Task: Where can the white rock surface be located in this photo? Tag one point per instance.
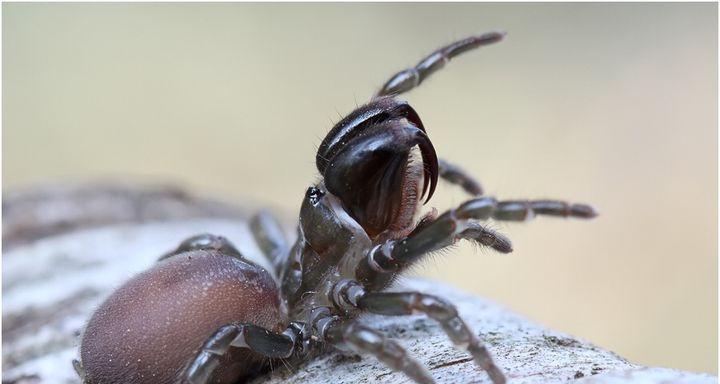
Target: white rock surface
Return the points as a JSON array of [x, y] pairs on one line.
[[51, 286]]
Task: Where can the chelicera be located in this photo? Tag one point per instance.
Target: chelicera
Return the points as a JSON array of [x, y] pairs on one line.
[[204, 314]]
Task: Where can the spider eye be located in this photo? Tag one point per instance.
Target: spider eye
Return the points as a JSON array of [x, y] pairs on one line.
[[314, 195]]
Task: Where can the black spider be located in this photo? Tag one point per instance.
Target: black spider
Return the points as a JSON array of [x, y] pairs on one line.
[[205, 314]]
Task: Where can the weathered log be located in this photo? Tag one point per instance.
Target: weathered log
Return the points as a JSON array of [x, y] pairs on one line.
[[53, 209], [53, 279]]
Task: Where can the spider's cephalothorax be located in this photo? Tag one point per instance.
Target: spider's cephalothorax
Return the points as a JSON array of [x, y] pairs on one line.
[[205, 314]]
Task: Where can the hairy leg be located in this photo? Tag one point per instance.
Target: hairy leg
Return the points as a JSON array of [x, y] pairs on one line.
[[365, 340], [410, 78], [252, 337], [440, 310], [384, 260], [484, 236]]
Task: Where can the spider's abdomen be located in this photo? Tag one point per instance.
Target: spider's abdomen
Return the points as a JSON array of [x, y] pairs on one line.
[[151, 327]]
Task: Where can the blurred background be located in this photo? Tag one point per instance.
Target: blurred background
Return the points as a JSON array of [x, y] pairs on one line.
[[611, 104]]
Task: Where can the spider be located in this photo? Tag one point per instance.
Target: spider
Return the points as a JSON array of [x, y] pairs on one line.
[[205, 314]]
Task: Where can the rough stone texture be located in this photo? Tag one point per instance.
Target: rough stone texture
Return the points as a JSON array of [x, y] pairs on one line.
[[53, 280]]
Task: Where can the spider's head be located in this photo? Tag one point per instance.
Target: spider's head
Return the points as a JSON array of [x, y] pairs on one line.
[[380, 163]]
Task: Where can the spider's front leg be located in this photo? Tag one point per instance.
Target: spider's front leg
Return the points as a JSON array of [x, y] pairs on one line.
[[410, 78]]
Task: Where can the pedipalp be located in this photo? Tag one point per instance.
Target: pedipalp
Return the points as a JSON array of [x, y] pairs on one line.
[[388, 258]]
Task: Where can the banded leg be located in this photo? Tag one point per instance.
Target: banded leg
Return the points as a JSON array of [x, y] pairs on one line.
[[386, 258], [270, 238], [440, 310], [456, 175], [365, 340], [410, 78], [522, 210], [204, 241], [252, 337]]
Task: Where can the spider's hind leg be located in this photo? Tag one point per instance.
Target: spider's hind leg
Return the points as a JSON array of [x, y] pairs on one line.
[[204, 241]]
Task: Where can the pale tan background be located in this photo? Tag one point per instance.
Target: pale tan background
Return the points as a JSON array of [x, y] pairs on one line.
[[610, 104]]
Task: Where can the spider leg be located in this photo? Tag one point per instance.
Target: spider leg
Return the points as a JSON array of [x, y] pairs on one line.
[[204, 241], [252, 337], [410, 78], [365, 340], [440, 310], [522, 210], [270, 238], [456, 175], [386, 258]]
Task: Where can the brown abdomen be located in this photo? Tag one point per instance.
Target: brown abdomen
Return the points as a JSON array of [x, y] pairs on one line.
[[151, 327]]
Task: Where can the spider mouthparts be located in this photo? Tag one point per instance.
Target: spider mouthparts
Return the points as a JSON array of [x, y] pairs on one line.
[[430, 165]]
